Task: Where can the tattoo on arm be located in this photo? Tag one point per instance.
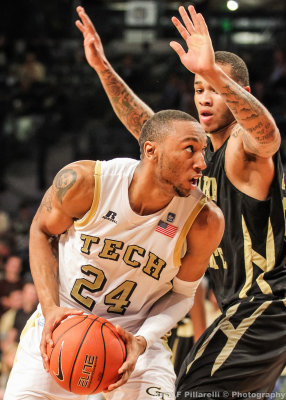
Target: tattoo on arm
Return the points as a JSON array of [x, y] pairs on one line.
[[47, 201], [240, 102], [253, 117], [64, 180], [129, 108], [236, 131]]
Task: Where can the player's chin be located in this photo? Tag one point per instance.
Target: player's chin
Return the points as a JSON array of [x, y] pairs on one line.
[[182, 192]]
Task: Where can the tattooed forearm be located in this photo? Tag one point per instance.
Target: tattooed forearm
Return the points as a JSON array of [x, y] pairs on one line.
[[63, 181], [242, 103], [261, 135], [253, 129], [131, 111]]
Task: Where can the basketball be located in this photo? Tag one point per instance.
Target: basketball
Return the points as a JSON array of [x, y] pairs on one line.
[[87, 354]]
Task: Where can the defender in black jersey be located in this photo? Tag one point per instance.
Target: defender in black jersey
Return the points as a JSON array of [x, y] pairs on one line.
[[244, 351]]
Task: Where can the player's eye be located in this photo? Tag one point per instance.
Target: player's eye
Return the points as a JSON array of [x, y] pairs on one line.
[[190, 149]]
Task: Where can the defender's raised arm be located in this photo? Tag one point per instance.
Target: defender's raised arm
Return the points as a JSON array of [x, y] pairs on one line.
[[259, 132], [131, 110]]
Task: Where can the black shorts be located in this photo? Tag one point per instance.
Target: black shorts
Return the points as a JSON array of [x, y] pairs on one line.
[[242, 352]]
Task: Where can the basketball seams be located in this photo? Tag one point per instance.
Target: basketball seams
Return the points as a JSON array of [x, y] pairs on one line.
[[116, 336], [103, 341], [106, 325], [82, 340], [72, 326]]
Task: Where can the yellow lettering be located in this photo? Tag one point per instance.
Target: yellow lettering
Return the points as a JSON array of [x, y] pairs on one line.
[[154, 266], [209, 187], [87, 242], [93, 286], [129, 255], [109, 249], [251, 256], [217, 253]]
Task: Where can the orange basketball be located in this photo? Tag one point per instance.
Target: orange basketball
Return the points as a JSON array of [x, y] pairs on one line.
[[87, 354]]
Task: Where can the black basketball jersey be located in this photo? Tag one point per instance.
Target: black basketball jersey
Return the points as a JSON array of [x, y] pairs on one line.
[[251, 258]]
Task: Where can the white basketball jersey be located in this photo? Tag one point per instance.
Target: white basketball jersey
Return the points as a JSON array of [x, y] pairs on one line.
[[115, 263]]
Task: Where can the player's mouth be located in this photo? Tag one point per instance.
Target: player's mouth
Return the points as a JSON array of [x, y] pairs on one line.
[[194, 182], [205, 116]]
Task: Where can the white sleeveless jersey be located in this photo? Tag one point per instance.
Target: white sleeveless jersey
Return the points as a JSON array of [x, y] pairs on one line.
[[115, 263]]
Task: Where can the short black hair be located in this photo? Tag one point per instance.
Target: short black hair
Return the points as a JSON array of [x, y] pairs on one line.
[[160, 125], [239, 70]]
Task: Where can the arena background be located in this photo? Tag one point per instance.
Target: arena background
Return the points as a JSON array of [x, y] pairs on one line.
[[63, 114], [53, 109]]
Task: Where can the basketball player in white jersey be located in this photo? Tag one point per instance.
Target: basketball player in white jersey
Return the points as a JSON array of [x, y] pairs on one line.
[[135, 240]]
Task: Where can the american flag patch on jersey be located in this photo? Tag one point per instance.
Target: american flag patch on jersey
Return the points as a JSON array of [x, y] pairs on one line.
[[166, 229]]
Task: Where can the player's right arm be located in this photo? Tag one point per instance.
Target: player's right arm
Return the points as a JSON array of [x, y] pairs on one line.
[[129, 108], [69, 197]]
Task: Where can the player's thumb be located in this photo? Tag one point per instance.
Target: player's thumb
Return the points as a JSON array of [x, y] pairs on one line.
[[177, 48]]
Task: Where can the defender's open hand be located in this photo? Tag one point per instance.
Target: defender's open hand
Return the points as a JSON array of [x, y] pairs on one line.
[[92, 44], [199, 57]]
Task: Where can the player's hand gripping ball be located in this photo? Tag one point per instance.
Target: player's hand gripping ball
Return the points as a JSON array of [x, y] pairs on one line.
[[87, 354]]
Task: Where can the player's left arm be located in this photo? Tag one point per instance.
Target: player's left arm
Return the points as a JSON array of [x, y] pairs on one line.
[[257, 128]]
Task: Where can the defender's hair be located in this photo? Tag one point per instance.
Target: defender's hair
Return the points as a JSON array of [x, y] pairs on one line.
[[160, 125], [239, 70]]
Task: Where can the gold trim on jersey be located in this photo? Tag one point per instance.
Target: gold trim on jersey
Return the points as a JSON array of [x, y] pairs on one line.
[[232, 333], [179, 245], [252, 257], [31, 323], [96, 196]]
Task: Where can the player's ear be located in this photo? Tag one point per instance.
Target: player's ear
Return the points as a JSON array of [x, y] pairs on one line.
[[247, 88], [150, 150]]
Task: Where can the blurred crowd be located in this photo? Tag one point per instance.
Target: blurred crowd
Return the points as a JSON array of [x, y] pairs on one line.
[[48, 92]]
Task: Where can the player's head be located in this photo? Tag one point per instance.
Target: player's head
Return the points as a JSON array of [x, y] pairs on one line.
[[213, 112], [172, 143], [238, 69]]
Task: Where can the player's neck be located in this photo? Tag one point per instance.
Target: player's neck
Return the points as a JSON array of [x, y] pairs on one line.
[[145, 195], [220, 136]]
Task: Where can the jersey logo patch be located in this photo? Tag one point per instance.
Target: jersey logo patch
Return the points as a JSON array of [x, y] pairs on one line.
[[110, 216], [171, 217], [166, 229]]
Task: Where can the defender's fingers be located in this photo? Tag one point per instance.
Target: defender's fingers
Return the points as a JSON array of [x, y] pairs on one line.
[[187, 21], [194, 16], [178, 48], [80, 26], [181, 29], [86, 20], [203, 25]]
